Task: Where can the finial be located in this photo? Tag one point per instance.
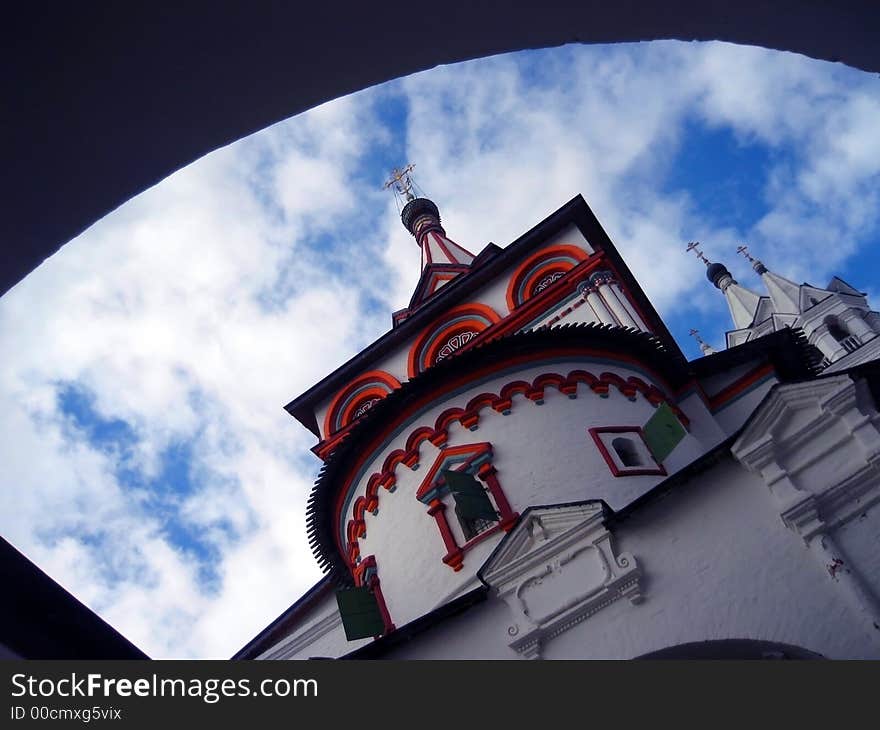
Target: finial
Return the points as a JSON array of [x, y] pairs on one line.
[[743, 250], [706, 348], [401, 181], [693, 246]]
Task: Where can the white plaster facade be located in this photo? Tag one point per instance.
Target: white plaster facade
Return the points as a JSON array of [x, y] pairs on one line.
[[761, 524]]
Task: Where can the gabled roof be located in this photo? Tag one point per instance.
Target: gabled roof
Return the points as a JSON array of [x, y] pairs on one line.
[[485, 267]]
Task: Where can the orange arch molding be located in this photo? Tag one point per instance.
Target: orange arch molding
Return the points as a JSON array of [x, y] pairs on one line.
[[372, 384], [473, 316], [555, 258]]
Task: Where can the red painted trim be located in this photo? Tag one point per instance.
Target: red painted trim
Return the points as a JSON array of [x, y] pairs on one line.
[[533, 268], [472, 450], [609, 459], [739, 386], [477, 539], [379, 377], [653, 394], [454, 557], [506, 516], [376, 587], [444, 326]]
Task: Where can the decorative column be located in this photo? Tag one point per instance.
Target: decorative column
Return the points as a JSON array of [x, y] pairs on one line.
[[603, 280], [454, 557], [591, 294], [507, 517]]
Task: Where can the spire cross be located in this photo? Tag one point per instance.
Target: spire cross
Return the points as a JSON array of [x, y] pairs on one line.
[[693, 246], [744, 251], [401, 181], [696, 335]]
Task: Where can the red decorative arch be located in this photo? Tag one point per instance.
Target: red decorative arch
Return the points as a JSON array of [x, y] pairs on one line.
[[538, 272], [454, 330], [469, 418], [345, 406]]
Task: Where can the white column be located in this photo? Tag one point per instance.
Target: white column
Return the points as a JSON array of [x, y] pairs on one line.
[[640, 324], [604, 280], [601, 311]]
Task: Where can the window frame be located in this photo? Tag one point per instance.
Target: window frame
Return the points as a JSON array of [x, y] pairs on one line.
[[603, 436]]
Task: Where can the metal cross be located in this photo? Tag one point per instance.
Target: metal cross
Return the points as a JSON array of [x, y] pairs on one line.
[[692, 246], [744, 251], [401, 181]]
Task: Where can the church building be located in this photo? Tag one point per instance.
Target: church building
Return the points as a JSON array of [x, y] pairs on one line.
[[527, 466]]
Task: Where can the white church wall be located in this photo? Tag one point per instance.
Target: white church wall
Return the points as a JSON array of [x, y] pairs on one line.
[[716, 563], [733, 414], [532, 469], [859, 541], [319, 633]]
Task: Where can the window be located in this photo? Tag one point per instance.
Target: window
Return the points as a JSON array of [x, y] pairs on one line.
[[462, 493], [838, 331], [625, 450], [473, 508]]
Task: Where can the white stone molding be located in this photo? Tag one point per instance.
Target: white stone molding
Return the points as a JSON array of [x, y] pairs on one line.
[[556, 568], [816, 445], [292, 645]]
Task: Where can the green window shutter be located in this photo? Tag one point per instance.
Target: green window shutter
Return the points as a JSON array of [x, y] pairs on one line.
[[663, 432], [470, 497], [360, 613]]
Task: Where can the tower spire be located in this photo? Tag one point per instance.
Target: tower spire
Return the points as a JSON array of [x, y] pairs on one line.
[[706, 348], [784, 293], [421, 217], [742, 302]]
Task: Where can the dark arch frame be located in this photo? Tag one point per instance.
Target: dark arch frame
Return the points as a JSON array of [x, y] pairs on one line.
[[732, 649], [105, 99]]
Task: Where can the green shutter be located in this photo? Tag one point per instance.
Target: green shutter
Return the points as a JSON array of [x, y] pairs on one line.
[[360, 613], [470, 496], [663, 432]]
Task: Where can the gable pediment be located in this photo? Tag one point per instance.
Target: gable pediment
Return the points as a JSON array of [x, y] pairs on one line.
[[541, 531], [556, 568], [791, 412], [810, 296]]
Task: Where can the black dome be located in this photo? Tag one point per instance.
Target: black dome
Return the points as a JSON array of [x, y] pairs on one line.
[[416, 207], [715, 271]]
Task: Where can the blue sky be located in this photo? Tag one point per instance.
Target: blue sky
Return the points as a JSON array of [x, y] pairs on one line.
[[148, 464]]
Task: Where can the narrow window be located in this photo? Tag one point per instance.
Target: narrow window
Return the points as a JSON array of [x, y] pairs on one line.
[[473, 508], [626, 451], [838, 331]]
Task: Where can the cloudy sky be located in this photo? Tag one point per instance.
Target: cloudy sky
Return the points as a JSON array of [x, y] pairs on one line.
[[147, 464]]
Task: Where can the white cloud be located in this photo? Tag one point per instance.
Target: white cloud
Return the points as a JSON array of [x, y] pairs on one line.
[[197, 309]]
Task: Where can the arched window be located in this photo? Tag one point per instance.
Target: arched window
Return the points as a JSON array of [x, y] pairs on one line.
[[626, 451], [838, 331], [835, 329]]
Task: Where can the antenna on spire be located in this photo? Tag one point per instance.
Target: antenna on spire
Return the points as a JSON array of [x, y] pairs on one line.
[[706, 348], [402, 183], [694, 246]]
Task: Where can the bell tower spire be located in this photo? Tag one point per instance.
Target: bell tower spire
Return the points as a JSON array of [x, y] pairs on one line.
[[421, 217], [784, 293], [442, 259], [743, 303]]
